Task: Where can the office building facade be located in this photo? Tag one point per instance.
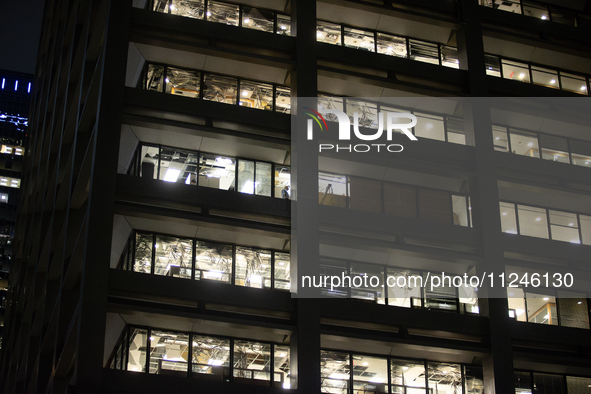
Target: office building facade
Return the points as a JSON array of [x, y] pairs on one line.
[[153, 247], [15, 96]]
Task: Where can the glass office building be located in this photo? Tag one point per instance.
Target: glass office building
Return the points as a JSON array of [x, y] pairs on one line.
[[154, 250]]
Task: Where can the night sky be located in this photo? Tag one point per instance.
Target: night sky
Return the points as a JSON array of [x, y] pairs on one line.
[[20, 25]]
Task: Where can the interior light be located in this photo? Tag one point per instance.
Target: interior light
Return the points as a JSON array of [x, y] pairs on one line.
[[546, 316], [365, 363], [223, 160], [246, 20], [521, 75], [490, 68], [282, 354], [152, 338], [404, 368], [337, 375], [587, 162], [504, 213], [283, 27], [579, 303], [256, 279], [457, 62], [546, 298], [213, 274], [156, 246], [444, 372], [571, 224], [538, 219], [286, 385], [247, 188], [544, 17], [553, 81], [319, 34], [377, 380], [519, 312], [215, 362], [282, 263], [244, 93], [389, 48], [167, 80], [530, 144], [15, 86], [29, 88], [172, 7], [171, 175], [497, 138], [3, 82], [583, 87], [208, 13]]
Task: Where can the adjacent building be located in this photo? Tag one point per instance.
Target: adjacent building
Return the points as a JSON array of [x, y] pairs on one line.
[[15, 97]]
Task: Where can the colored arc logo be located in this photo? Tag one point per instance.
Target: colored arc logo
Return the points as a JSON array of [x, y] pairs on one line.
[[317, 117]]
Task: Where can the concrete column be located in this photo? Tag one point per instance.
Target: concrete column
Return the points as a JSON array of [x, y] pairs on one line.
[[305, 342]]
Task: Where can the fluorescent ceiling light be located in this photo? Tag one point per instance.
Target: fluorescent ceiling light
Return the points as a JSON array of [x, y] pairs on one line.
[[223, 160], [337, 375], [171, 175]]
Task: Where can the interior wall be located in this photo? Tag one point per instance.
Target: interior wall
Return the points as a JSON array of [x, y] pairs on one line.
[[121, 232]]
